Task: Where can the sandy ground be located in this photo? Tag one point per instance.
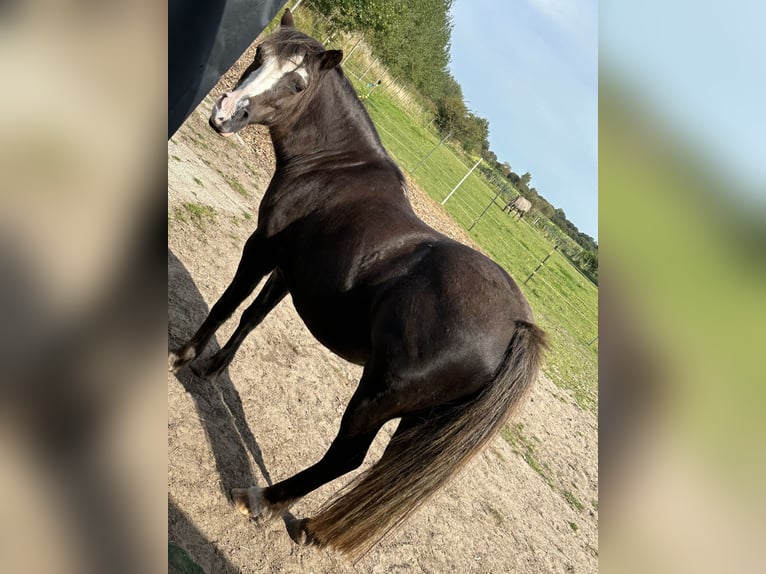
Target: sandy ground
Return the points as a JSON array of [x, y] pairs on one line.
[[527, 507]]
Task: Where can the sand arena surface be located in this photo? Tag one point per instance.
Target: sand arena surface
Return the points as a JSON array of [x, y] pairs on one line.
[[527, 507]]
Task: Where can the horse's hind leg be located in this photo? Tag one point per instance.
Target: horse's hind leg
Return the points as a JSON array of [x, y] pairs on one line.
[[367, 412], [300, 529], [271, 294], [252, 267], [345, 454]]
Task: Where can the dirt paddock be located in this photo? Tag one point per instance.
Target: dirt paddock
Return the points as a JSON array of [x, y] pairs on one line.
[[528, 504]]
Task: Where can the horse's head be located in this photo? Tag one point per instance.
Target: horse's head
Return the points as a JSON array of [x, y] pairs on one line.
[[287, 68]]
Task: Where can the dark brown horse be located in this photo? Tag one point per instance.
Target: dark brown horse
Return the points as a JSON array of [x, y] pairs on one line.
[[444, 334]]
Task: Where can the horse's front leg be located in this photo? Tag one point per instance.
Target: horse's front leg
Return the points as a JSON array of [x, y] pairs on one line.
[[253, 266], [271, 294]]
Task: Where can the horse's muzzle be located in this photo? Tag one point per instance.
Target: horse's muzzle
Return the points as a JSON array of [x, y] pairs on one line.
[[229, 114], [218, 129]]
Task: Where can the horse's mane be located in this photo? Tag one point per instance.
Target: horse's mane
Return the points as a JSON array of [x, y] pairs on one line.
[[293, 42]]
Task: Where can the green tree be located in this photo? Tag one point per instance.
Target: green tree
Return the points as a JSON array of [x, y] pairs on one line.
[[411, 38], [490, 157], [525, 179]]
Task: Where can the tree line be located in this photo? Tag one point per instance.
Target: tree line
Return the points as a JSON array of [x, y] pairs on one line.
[[413, 40]]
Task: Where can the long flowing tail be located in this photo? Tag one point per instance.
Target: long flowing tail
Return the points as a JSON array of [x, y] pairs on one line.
[[421, 459]]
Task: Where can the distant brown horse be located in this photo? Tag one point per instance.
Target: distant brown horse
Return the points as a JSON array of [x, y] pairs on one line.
[[521, 205], [444, 334]]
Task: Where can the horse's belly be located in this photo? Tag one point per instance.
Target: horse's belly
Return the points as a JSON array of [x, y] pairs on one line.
[[339, 323]]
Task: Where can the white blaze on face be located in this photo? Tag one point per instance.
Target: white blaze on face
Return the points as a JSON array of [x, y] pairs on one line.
[[258, 82]]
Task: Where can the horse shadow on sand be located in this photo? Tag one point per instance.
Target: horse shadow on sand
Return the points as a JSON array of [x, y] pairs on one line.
[[184, 538], [217, 402]]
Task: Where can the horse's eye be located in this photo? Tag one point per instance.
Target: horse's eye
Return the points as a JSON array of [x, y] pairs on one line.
[[297, 88]]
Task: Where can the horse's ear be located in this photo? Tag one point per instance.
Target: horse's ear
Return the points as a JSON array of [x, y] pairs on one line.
[[287, 19], [329, 59]]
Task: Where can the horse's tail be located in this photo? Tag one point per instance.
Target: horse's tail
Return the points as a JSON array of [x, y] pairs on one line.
[[423, 456]]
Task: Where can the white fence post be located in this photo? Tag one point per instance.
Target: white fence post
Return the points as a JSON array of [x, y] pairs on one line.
[[352, 49], [461, 181], [430, 152]]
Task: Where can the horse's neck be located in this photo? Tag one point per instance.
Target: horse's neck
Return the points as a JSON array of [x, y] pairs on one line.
[[334, 122]]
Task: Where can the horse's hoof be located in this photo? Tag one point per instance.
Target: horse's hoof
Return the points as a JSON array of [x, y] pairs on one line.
[[207, 368], [299, 532], [177, 359], [251, 503], [173, 360], [241, 500]]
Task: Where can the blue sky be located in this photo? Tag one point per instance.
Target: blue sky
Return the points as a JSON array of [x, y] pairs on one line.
[[700, 67], [531, 68]]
